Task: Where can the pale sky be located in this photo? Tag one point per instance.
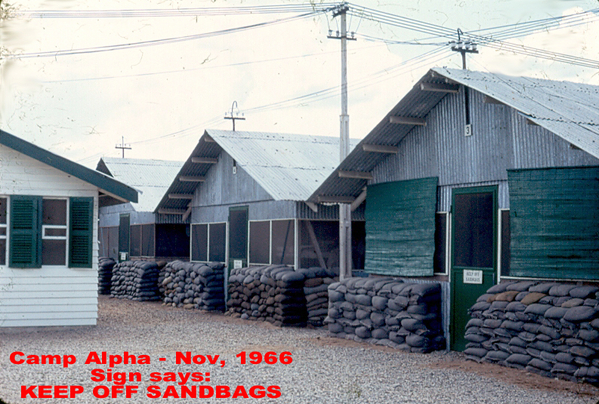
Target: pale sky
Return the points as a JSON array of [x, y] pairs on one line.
[[161, 98]]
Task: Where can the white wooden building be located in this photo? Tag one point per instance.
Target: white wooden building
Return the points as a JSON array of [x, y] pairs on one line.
[[48, 232]]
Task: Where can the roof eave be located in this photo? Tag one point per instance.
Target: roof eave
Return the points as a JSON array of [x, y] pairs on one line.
[[67, 166]]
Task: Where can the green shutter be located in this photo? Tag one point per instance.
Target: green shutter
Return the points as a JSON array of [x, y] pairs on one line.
[[81, 227], [400, 227], [25, 231], [554, 222]]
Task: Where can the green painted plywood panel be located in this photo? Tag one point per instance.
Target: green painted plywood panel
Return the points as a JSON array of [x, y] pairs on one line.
[[554, 220], [400, 227]]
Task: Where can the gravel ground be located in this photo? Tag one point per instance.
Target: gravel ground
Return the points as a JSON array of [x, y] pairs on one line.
[[324, 370]]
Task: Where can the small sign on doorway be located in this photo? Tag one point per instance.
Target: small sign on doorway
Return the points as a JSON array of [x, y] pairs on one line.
[[237, 264], [473, 276]]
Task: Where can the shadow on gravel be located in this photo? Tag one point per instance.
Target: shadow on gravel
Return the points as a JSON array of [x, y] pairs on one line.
[[457, 361], [521, 378]]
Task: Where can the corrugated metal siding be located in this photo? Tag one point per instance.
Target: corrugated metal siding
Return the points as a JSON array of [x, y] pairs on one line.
[[222, 187], [109, 215], [502, 140], [327, 212], [536, 147], [288, 167], [261, 210], [555, 223], [441, 149], [170, 219], [444, 194], [203, 149], [570, 110], [415, 104]]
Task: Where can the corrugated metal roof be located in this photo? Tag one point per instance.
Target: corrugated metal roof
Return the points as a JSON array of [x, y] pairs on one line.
[[570, 110], [287, 166], [151, 177]]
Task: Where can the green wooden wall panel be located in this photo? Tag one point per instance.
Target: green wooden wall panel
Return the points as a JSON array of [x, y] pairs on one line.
[[400, 227], [554, 219]]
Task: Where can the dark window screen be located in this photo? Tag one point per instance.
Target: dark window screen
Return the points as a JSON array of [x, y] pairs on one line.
[[124, 233], [199, 242], [3, 210], [440, 242], [238, 219], [505, 242], [54, 212], [135, 237], [259, 242], [473, 237], [54, 252], [147, 240], [218, 233], [3, 251], [283, 242]]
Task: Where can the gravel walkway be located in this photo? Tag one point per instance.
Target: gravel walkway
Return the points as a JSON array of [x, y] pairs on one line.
[[324, 370]]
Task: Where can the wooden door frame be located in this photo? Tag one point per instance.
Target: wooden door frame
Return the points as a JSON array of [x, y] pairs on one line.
[[493, 189]]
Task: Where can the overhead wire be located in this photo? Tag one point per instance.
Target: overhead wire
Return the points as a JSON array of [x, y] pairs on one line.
[[530, 27], [178, 12], [491, 38], [439, 31], [154, 42], [317, 96], [203, 67]]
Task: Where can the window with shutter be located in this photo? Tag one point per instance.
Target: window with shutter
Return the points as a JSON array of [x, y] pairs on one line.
[[400, 228], [25, 231], [81, 232], [554, 217]]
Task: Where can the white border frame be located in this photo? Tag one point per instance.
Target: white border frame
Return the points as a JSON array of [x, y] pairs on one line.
[[66, 238]]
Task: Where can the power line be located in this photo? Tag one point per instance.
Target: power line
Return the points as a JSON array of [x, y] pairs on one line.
[[553, 23], [489, 41], [204, 67], [407, 66], [179, 12], [154, 42]]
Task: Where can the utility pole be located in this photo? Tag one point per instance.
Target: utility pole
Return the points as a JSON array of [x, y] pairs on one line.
[[123, 146], [345, 238], [234, 115], [465, 47]]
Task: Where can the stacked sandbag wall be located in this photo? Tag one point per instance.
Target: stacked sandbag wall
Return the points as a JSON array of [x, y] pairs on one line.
[[316, 283], [277, 294], [193, 285], [135, 280], [388, 312], [105, 266], [548, 328]]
